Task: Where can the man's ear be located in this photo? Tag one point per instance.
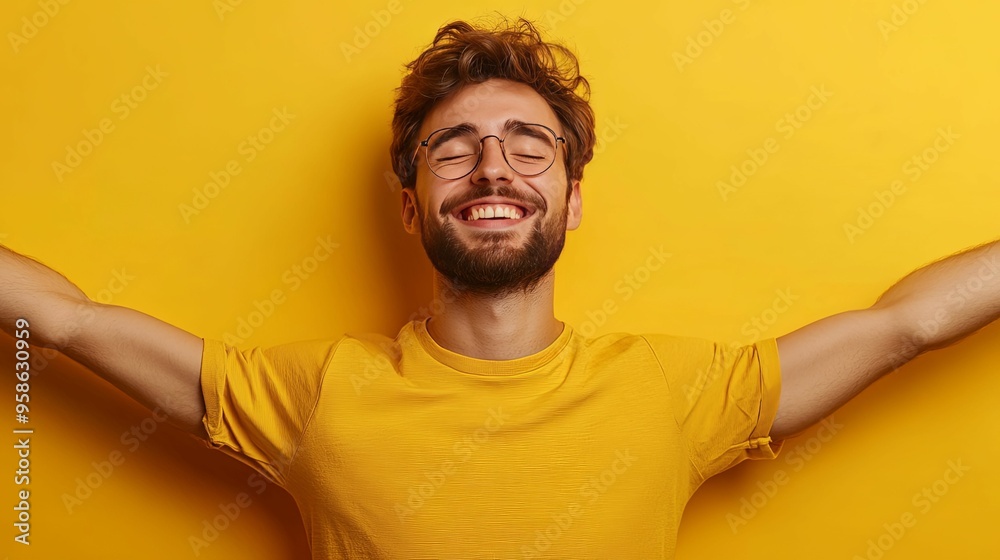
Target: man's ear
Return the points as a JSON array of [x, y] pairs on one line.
[[574, 207], [410, 212]]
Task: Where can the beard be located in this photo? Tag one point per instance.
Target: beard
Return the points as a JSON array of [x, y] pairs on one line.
[[494, 266]]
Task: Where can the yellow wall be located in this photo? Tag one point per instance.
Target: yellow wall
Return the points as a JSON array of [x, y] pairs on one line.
[[682, 91]]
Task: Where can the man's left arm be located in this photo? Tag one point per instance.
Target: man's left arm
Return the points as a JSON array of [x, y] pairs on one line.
[[828, 362]]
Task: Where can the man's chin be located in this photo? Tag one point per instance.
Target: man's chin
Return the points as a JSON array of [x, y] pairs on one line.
[[489, 270], [492, 288], [486, 261]]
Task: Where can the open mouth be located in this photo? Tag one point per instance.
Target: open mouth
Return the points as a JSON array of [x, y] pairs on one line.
[[493, 212]]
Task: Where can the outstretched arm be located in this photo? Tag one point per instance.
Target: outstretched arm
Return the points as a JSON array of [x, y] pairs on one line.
[[828, 362], [153, 362]]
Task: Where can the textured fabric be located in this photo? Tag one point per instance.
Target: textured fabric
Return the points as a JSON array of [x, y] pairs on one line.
[[401, 449]]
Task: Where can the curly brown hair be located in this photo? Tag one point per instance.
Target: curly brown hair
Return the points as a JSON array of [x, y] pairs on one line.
[[462, 54]]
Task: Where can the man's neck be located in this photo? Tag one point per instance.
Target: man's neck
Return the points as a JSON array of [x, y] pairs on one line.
[[495, 328]]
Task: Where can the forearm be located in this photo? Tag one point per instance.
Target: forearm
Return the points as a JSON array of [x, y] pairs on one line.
[[949, 299], [31, 290], [156, 363]]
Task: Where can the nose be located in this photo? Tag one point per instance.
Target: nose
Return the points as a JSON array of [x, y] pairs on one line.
[[493, 168]]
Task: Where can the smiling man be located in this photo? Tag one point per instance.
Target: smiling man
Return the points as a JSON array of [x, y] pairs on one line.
[[492, 214], [492, 429]]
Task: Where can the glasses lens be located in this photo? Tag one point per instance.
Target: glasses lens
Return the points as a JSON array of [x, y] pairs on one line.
[[530, 149], [452, 153]]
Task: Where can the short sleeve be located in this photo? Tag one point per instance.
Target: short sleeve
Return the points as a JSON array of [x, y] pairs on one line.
[[258, 401], [724, 398]]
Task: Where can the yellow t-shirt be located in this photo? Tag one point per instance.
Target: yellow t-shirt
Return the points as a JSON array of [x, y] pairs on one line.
[[402, 449]]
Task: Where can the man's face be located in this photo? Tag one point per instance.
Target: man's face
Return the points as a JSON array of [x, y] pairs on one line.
[[485, 256]]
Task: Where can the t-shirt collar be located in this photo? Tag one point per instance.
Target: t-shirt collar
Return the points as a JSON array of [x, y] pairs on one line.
[[477, 366]]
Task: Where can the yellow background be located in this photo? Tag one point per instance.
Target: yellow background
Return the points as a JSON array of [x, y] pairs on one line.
[[672, 131]]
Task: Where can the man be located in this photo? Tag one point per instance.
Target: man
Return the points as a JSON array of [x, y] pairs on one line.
[[492, 429]]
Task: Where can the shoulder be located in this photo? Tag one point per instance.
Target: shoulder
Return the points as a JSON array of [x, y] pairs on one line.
[[623, 340], [657, 344]]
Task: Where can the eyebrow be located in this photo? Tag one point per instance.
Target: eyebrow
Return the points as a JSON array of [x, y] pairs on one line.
[[509, 124]]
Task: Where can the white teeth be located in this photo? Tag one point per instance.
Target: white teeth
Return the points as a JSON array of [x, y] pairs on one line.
[[491, 212]]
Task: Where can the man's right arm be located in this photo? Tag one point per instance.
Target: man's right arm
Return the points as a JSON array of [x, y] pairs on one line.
[[155, 363]]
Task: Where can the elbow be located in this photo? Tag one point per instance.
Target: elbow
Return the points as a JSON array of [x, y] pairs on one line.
[[911, 333], [59, 322], [71, 322]]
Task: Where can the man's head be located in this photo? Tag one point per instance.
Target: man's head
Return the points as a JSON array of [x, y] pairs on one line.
[[487, 81]]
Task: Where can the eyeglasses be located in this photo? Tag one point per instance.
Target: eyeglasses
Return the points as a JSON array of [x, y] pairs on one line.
[[454, 152]]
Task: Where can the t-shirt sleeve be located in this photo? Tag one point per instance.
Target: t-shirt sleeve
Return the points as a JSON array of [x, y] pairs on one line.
[[258, 401], [724, 398]]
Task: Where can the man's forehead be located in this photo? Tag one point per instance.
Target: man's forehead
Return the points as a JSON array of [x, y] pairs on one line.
[[491, 106]]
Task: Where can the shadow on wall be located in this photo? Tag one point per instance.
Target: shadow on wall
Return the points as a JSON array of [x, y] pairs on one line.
[[98, 450], [409, 279], [759, 497]]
